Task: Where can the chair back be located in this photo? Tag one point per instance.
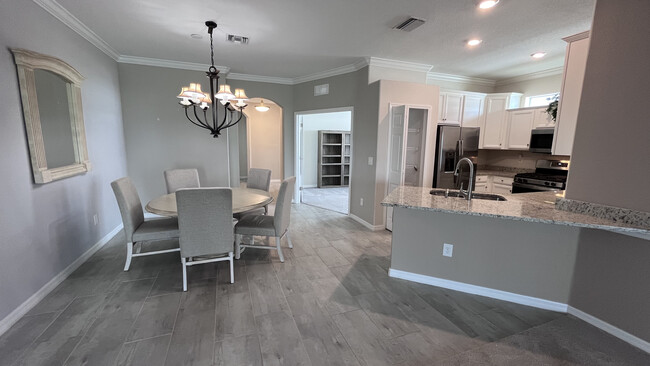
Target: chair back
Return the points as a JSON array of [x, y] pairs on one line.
[[259, 179], [130, 205], [181, 178], [205, 221], [282, 214]]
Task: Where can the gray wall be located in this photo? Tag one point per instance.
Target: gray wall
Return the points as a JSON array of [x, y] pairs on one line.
[[611, 280], [612, 133], [526, 258], [157, 134], [44, 228]]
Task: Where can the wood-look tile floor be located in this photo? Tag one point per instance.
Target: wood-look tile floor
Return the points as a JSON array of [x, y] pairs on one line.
[[330, 303], [331, 198]]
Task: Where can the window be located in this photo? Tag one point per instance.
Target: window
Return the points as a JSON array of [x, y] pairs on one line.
[[540, 100]]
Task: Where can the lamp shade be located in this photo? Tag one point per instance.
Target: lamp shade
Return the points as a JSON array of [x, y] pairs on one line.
[[224, 93], [240, 94]]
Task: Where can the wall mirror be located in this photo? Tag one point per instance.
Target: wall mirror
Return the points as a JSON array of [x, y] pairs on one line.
[[50, 91]]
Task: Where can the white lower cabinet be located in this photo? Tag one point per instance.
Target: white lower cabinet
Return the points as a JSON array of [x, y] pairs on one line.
[[493, 184], [501, 188]]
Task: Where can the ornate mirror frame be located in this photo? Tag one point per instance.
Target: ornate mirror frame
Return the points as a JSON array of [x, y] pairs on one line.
[[27, 62]]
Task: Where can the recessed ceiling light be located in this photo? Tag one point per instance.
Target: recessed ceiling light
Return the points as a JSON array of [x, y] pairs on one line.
[[196, 36], [486, 4], [474, 42], [538, 54]]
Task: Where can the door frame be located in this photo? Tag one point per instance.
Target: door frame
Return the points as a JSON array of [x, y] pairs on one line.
[[297, 147], [428, 147]]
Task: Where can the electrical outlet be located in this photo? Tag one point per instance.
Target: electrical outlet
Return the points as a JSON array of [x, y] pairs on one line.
[[95, 219], [371, 160], [361, 202], [448, 250]]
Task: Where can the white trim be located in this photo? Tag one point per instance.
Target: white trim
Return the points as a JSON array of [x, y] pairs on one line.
[[531, 76], [480, 290], [432, 77], [332, 72], [260, 78], [39, 295], [399, 65], [158, 62], [310, 186], [616, 332], [60, 13], [365, 223], [276, 180], [577, 37]]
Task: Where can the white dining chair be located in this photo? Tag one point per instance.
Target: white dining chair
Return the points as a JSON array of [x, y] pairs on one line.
[[176, 179], [206, 227], [276, 226], [136, 228]]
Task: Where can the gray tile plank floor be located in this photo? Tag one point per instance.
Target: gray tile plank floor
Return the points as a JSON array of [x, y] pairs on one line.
[[330, 303]]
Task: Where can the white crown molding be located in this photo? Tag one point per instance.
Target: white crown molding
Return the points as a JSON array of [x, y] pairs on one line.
[[577, 37], [531, 76], [260, 78], [136, 60], [432, 77], [400, 65], [332, 72], [60, 13]]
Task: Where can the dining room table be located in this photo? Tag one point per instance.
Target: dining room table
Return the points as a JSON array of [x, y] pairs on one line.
[[243, 199]]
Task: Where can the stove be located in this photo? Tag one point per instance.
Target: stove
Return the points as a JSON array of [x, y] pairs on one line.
[[549, 175]]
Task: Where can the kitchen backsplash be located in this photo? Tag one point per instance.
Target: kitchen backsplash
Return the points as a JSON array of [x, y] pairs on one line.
[[513, 159]]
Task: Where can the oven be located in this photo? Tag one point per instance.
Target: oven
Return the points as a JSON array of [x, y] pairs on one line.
[[549, 175], [525, 188]]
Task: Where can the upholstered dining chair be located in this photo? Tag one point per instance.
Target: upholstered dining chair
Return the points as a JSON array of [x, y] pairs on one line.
[[276, 226], [259, 179], [136, 228], [205, 223], [176, 179]]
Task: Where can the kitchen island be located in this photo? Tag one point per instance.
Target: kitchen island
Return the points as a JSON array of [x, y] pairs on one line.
[[522, 250]]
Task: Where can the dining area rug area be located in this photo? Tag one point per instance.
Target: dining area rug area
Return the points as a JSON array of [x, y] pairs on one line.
[[330, 303]]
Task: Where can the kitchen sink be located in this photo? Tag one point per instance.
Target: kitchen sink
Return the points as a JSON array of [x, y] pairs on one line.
[[478, 196]]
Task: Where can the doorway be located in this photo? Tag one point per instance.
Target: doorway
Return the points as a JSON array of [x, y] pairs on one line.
[[410, 150], [324, 158]]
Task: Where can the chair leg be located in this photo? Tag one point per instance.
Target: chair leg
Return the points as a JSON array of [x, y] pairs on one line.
[[266, 209], [237, 246], [289, 240], [277, 242], [129, 255], [232, 268], [184, 274]]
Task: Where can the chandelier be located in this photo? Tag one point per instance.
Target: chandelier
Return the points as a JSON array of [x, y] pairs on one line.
[[192, 97]]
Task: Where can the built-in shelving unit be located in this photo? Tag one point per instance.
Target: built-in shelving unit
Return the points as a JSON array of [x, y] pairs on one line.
[[334, 148]]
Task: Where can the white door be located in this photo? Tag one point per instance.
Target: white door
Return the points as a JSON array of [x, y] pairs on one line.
[[395, 155], [520, 124], [415, 141]]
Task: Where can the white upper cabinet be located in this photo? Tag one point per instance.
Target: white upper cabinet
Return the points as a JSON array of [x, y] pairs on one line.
[[473, 110], [572, 78], [493, 127], [520, 124], [450, 108], [542, 118]]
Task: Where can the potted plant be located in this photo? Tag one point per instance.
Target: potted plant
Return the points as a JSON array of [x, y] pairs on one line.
[[552, 107]]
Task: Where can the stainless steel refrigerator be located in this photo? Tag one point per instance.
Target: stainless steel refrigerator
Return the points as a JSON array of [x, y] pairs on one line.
[[452, 144]]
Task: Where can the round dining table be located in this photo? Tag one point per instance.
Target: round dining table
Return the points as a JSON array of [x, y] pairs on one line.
[[243, 199]]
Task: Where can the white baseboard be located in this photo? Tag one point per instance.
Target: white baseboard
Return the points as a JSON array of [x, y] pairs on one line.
[[479, 290], [366, 223], [26, 306], [616, 332], [310, 186]]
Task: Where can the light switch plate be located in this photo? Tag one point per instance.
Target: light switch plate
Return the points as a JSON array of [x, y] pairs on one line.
[[371, 160], [448, 250]]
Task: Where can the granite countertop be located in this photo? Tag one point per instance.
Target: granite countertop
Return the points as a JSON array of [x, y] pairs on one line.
[[532, 207]]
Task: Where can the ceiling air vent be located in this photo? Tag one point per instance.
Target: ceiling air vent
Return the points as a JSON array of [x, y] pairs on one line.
[[237, 39], [409, 24]]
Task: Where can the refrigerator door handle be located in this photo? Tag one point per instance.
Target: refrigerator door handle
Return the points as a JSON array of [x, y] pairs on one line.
[[460, 148]]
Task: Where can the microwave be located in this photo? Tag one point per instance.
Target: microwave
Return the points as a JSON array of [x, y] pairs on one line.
[[541, 140]]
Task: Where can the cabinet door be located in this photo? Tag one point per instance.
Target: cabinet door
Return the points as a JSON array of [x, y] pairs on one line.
[[498, 188], [567, 114], [542, 119], [472, 110], [453, 108], [520, 123], [482, 188], [495, 113]]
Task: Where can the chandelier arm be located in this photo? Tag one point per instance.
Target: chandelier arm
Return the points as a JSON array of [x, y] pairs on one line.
[[190, 119], [241, 114], [205, 125], [225, 117]]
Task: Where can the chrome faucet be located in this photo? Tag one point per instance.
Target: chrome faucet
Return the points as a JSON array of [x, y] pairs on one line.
[[468, 192]]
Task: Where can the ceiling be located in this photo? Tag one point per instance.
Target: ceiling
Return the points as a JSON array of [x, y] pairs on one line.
[[296, 38]]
